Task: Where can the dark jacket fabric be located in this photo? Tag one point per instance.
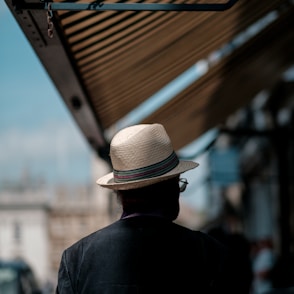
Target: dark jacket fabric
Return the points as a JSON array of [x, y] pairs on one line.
[[143, 255]]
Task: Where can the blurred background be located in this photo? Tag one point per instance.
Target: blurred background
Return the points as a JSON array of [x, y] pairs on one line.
[[242, 192]]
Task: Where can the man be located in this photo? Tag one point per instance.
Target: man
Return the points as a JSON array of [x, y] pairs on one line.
[[144, 251]]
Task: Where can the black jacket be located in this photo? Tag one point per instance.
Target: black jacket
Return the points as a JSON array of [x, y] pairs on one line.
[[143, 255]]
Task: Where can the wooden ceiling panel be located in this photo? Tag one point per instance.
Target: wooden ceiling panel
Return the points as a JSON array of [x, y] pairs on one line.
[[230, 85], [144, 69], [217, 22]]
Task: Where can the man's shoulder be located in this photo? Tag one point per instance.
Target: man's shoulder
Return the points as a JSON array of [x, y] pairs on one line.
[[195, 234], [83, 243]]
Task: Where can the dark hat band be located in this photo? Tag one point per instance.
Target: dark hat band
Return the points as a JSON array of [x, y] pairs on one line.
[[154, 170]]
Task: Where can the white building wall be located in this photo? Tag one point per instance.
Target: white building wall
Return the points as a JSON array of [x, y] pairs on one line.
[[31, 242]]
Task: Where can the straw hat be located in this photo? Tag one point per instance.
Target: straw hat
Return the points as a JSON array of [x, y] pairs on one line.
[[142, 155]]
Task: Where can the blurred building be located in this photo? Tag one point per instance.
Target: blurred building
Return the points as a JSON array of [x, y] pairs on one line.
[[248, 179], [252, 168], [23, 229], [37, 224]]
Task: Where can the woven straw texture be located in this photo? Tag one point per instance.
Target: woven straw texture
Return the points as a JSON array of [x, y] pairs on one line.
[[136, 148]]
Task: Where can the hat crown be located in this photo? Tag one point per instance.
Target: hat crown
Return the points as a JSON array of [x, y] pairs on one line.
[[139, 146], [142, 155]]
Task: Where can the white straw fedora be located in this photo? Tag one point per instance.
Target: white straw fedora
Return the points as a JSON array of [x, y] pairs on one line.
[[142, 155]]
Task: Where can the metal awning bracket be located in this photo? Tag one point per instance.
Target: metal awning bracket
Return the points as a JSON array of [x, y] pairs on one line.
[[102, 6]]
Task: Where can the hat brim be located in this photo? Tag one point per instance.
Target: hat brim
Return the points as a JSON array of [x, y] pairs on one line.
[[107, 181]]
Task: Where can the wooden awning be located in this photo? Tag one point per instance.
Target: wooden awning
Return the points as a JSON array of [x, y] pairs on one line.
[[107, 63]]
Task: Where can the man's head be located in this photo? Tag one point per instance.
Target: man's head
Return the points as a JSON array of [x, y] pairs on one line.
[[161, 199], [142, 155]]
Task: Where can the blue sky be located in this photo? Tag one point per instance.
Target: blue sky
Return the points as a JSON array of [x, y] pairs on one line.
[[37, 134]]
